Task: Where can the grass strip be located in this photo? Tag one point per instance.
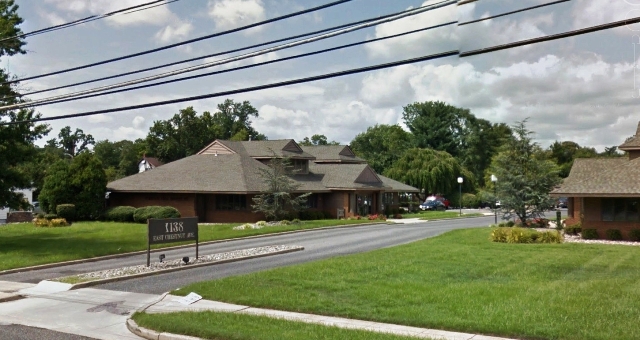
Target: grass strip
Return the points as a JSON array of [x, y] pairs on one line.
[[460, 281], [235, 326], [24, 245]]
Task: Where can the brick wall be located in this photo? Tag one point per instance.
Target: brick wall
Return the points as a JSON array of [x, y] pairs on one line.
[[593, 220], [19, 217]]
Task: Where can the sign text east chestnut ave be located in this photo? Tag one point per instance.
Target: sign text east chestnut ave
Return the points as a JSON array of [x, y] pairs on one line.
[[173, 230], [169, 230]]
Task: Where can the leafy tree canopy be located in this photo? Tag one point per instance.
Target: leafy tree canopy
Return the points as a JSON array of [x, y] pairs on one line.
[[564, 153], [72, 143], [382, 145], [317, 140], [432, 171], [81, 182], [525, 176], [186, 133], [16, 141]]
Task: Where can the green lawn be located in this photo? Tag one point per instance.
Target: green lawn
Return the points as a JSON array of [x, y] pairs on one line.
[[219, 326], [461, 281], [23, 245], [436, 215]]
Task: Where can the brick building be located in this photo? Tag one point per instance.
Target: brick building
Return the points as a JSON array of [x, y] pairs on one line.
[[218, 183]]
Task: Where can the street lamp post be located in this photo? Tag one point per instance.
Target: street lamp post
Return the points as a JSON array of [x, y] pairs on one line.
[[494, 179], [460, 180]]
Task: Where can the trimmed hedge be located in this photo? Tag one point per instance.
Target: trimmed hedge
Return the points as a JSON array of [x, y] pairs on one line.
[[120, 214], [634, 235], [524, 235], [590, 234], [141, 215], [614, 235], [573, 229], [66, 211]]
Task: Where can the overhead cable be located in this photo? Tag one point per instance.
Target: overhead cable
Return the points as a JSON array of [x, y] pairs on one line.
[[137, 54], [237, 58], [243, 90], [512, 12], [127, 10], [245, 66], [551, 37], [209, 55]]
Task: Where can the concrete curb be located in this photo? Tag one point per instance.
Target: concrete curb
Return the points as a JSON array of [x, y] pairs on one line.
[[170, 270], [153, 335], [115, 256], [11, 298]]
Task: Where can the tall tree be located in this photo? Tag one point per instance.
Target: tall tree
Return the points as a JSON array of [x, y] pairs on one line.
[[317, 140], [120, 159], [72, 143], [16, 141], [525, 177], [382, 145], [564, 153], [432, 171], [81, 182], [278, 198], [187, 133]]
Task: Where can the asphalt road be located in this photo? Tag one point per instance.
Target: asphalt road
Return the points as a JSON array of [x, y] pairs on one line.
[[319, 244], [18, 332]]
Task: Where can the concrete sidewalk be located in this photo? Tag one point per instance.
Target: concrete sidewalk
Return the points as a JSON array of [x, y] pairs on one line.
[[170, 304]]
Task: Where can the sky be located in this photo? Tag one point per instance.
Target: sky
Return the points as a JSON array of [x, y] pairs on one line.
[[584, 88]]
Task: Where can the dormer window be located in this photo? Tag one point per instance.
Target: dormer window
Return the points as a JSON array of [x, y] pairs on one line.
[[300, 166]]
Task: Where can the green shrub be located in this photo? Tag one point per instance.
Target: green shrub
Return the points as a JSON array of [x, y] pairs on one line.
[[550, 237], [614, 235], [520, 235], [296, 221], [634, 235], [590, 234], [50, 216], [261, 223], [573, 229], [141, 215], [120, 214], [470, 201], [285, 222], [510, 224], [52, 223], [499, 234], [326, 215], [66, 211]]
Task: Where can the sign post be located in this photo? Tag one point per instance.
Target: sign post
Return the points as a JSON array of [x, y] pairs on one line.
[[169, 230]]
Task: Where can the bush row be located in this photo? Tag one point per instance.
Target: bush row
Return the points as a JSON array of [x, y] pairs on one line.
[[524, 235], [610, 234], [139, 215]]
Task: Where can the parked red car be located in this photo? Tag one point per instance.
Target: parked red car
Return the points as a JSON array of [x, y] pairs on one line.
[[438, 198]]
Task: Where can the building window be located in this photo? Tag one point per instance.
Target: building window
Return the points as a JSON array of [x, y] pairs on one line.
[[299, 166], [387, 198], [231, 202], [312, 201], [620, 209]]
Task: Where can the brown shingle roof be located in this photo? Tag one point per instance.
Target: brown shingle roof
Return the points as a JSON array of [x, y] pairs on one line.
[[604, 177], [332, 153], [397, 186], [633, 143], [266, 149]]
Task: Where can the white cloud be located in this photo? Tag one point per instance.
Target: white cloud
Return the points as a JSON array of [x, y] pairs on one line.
[[73, 8], [138, 122], [97, 119], [174, 32], [234, 13]]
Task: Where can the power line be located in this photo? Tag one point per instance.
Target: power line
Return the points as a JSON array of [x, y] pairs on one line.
[[237, 58], [243, 67], [244, 90], [210, 55], [132, 9], [512, 12], [551, 37], [137, 54], [342, 73]]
